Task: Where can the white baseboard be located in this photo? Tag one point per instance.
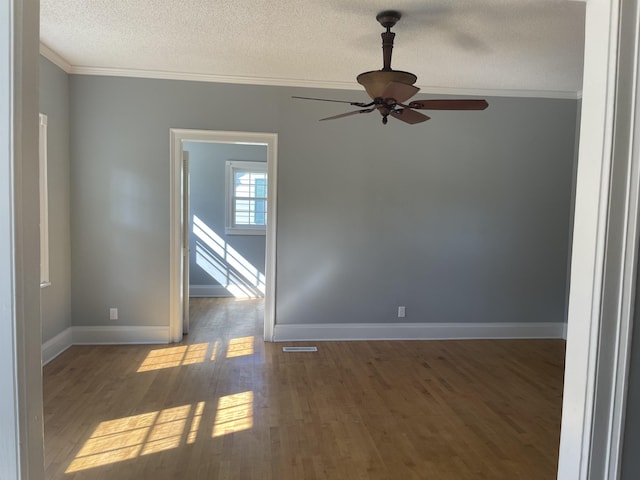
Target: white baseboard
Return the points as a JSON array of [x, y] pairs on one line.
[[114, 335], [108, 335], [564, 330], [104, 335], [56, 345], [208, 291], [417, 331]]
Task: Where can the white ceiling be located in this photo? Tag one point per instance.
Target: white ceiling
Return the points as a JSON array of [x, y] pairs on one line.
[[517, 47]]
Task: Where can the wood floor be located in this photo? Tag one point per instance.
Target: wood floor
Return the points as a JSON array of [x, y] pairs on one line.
[[225, 405]]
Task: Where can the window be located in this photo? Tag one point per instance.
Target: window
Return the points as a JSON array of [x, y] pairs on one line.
[[246, 198], [44, 204]]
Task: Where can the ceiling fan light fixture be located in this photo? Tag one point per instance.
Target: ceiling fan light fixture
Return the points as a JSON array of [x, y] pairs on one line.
[[390, 89], [376, 81]]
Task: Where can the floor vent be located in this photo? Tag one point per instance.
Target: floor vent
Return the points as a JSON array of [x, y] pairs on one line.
[[299, 349]]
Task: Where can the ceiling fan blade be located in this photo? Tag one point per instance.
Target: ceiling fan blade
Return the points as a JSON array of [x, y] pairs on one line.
[[366, 110], [355, 104], [449, 104], [409, 116], [400, 92]]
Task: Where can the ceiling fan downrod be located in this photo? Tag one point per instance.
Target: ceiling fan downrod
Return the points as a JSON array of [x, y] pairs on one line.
[[375, 82], [387, 19]]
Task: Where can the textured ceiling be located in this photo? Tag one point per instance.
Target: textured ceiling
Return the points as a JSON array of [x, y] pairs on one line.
[[451, 45]]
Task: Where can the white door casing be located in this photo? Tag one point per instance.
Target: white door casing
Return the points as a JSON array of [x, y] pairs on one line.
[[185, 240], [177, 139], [605, 238]]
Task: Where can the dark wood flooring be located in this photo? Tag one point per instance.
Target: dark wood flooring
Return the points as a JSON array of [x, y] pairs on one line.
[[225, 405]]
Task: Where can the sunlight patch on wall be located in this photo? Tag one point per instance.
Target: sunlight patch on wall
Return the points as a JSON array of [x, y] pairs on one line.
[[225, 264], [234, 414], [129, 200], [174, 357], [239, 347], [130, 437]]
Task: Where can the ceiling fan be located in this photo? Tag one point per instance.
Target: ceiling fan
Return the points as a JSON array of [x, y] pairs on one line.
[[389, 89]]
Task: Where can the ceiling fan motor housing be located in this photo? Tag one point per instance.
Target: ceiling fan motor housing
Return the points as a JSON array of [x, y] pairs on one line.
[[375, 82]]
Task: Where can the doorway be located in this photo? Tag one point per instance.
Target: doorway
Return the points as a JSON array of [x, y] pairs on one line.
[[234, 276]]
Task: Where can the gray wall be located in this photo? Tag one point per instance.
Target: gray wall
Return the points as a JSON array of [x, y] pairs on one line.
[[54, 102], [208, 202], [462, 219], [630, 461]]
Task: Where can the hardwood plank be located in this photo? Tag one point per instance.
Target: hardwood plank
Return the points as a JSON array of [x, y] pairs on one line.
[[225, 405]]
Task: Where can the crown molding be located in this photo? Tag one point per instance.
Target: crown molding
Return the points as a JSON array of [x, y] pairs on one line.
[[55, 58], [201, 77], [286, 82], [488, 92]]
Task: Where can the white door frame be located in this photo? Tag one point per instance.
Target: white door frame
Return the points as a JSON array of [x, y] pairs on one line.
[[177, 139], [603, 262], [21, 426]]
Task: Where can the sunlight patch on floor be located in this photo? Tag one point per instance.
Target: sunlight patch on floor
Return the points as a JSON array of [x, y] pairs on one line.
[[234, 414], [193, 354], [130, 437], [239, 347], [174, 357], [195, 423]]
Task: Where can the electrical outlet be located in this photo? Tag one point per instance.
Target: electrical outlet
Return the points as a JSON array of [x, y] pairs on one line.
[[401, 312], [113, 314]]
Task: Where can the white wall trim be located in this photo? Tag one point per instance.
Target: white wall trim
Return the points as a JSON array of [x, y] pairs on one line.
[[417, 331], [119, 335], [61, 62], [302, 83], [21, 422], [55, 58], [56, 345], [217, 291], [45, 278], [177, 137], [102, 335], [619, 281], [589, 239]]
